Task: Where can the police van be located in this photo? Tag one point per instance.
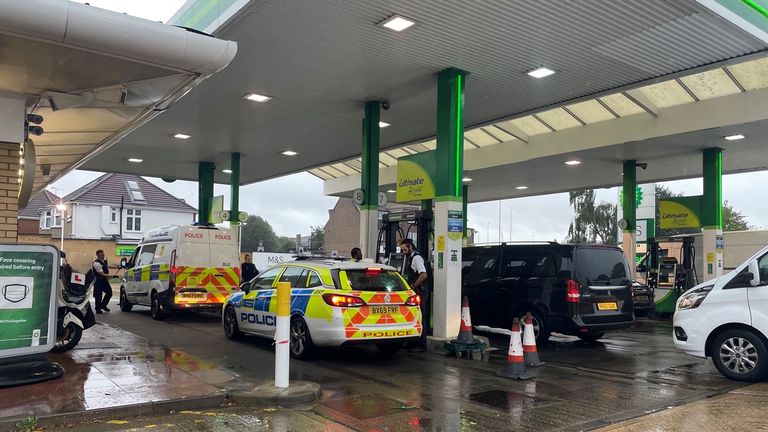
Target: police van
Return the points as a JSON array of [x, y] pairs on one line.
[[333, 303], [181, 267]]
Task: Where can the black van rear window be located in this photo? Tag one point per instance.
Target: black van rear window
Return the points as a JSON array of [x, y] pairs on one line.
[[601, 266]]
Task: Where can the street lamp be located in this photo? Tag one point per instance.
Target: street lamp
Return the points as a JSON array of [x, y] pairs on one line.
[[61, 208]]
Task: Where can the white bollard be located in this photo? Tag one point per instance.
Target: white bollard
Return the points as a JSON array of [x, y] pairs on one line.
[[282, 334]]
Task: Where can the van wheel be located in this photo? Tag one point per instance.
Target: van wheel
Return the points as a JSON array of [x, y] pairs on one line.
[[125, 305], [301, 340], [158, 314], [740, 355], [231, 328], [540, 329]]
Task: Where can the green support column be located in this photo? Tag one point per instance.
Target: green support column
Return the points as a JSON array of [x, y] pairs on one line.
[[234, 186], [712, 213], [629, 206], [464, 203], [449, 208], [369, 180], [205, 191]]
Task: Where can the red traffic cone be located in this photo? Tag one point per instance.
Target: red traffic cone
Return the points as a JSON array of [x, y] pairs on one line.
[[530, 353], [515, 367], [465, 331]]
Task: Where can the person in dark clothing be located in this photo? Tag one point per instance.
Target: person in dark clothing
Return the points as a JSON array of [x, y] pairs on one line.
[[418, 278], [248, 270], [102, 290], [356, 254]]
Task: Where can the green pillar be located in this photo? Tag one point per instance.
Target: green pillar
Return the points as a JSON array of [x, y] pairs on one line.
[[464, 202], [369, 180], [629, 195], [450, 134], [712, 203], [204, 191], [234, 188]]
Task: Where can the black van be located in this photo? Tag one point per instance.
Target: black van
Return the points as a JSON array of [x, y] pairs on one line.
[[580, 290]]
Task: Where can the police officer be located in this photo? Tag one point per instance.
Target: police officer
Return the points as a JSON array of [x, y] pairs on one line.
[[418, 279], [356, 254], [101, 284], [248, 269]]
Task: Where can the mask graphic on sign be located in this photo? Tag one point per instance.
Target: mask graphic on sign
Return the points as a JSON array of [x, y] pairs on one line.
[[15, 293]]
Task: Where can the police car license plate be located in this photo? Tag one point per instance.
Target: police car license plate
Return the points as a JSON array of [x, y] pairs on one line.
[[384, 309], [194, 296], [607, 306]]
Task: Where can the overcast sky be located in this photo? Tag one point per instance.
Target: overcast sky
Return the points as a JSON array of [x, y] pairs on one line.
[[294, 203]]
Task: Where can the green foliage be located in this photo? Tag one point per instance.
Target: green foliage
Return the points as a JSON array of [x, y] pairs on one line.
[[29, 424], [592, 223], [286, 244], [317, 241], [256, 230], [733, 220]]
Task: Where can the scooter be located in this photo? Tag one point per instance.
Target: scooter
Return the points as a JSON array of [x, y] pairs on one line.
[[74, 308]]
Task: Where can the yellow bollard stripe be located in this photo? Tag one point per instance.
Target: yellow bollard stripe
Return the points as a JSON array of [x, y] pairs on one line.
[[283, 299]]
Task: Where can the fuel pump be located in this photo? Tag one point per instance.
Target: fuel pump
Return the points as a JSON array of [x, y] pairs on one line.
[[667, 276]]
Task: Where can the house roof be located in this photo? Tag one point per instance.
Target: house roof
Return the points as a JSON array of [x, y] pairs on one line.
[[38, 202], [109, 189]]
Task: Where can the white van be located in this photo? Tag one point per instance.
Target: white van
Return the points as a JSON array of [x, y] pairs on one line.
[[181, 267], [727, 319]]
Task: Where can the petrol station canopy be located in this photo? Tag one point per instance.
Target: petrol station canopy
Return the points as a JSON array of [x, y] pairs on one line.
[[654, 81]]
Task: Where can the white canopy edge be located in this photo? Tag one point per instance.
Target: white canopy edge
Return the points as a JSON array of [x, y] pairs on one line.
[[109, 33]]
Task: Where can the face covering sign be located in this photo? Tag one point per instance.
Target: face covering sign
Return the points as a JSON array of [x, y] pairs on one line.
[[28, 282]]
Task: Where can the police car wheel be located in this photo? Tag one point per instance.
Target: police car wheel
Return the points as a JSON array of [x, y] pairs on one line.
[[301, 340], [157, 309], [231, 329], [125, 305]]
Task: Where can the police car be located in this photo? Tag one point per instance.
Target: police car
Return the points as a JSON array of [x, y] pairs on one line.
[[333, 303]]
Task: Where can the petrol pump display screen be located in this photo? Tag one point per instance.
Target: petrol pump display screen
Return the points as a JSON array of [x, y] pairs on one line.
[[397, 260], [28, 281]]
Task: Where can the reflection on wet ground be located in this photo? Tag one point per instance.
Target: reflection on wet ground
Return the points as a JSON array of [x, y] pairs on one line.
[[109, 368]]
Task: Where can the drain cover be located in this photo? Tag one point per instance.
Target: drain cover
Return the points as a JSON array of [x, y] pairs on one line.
[[503, 400], [365, 407]]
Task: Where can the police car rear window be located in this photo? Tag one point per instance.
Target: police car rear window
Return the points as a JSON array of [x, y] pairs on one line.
[[375, 280]]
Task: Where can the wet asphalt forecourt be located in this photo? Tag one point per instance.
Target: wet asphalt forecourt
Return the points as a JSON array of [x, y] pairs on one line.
[[582, 386]]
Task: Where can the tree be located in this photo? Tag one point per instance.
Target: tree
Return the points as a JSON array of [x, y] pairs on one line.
[[286, 244], [733, 220], [257, 230], [592, 223], [317, 239]]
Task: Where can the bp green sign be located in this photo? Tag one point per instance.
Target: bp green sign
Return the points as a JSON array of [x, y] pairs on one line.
[[124, 250], [682, 212], [415, 177], [28, 282]]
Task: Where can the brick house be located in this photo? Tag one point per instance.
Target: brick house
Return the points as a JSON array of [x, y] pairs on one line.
[[111, 213]]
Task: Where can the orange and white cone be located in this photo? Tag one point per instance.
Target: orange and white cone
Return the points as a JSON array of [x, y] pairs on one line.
[[515, 367], [530, 353], [465, 331]]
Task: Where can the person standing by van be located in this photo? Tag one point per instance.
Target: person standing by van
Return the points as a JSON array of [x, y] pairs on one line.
[[102, 290], [418, 279], [356, 254], [248, 269]]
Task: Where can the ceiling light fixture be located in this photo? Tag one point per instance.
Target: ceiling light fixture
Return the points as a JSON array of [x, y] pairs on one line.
[[182, 136], [541, 72], [734, 137], [227, 171], [290, 153], [397, 23], [135, 160], [383, 124], [573, 162], [521, 187], [257, 97], [391, 191], [466, 179]]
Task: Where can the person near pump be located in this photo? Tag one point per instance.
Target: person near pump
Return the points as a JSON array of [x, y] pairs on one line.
[[248, 269], [102, 290], [356, 254], [418, 278]]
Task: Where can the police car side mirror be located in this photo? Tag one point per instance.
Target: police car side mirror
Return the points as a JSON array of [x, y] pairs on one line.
[[245, 287], [123, 263]]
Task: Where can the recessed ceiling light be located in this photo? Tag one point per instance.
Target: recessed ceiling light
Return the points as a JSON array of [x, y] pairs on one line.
[[134, 160], [541, 72], [182, 136], [573, 162], [391, 191], [227, 171], [257, 97], [466, 179], [290, 153], [521, 187], [397, 23], [383, 124], [734, 137]]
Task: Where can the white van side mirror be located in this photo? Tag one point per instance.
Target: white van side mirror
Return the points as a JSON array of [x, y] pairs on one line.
[[755, 271]]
